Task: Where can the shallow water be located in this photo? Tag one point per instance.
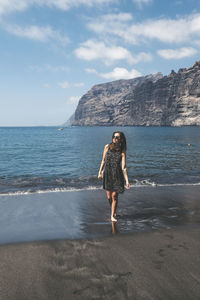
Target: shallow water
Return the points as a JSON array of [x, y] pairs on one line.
[[146, 209], [86, 214], [38, 159]]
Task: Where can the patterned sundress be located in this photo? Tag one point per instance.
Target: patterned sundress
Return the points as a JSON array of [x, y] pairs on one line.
[[113, 178]]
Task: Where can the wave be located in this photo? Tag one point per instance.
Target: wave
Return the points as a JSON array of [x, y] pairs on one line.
[[54, 190], [147, 182], [137, 184]]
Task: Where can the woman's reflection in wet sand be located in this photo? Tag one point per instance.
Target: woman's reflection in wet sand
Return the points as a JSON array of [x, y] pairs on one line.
[[114, 228]]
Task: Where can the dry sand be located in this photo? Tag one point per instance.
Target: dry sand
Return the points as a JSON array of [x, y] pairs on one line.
[[153, 265]]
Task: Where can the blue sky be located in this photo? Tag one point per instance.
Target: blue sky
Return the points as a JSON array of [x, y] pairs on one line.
[[53, 51]]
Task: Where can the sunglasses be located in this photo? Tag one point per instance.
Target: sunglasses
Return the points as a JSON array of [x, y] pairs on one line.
[[117, 137]]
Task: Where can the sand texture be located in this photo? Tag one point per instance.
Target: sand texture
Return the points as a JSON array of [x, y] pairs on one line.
[[153, 265]]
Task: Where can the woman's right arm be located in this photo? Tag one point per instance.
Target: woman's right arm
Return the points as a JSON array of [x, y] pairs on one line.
[[125, 170], [100, 174]]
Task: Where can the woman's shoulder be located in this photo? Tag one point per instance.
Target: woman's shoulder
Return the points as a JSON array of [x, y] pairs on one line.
[[106, 147]]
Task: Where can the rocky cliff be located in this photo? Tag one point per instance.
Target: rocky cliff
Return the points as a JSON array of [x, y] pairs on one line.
[[153, 100]]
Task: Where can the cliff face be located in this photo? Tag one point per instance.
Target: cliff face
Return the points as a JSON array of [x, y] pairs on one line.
[[154, 100]]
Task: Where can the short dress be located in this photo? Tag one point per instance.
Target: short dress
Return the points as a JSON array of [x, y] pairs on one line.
[[113, 178]]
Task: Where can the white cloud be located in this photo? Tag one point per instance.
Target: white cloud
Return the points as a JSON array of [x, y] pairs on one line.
[[8, 6], [74, 99], [177, 30], [117, 73], [177, 53], [115, 24], [142, 56], [91, 50], [121, 73], [141, 2], [67, 4], [66, 84], [168, 31], [43, 34], [120, 17]]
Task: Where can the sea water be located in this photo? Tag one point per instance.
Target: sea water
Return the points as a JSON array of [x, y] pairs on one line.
[[41, 159]]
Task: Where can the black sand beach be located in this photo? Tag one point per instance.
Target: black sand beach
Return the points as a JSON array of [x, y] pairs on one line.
[[157, 265], [86, 214], [63, 245]]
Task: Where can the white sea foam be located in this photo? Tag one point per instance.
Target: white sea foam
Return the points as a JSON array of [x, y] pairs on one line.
[[55, 190], [145, 182], [138, 184]]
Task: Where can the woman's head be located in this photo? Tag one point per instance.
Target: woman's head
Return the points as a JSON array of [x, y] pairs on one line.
[[118, 141]]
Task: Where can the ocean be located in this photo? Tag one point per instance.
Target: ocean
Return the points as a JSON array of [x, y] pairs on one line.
[[45, 159]]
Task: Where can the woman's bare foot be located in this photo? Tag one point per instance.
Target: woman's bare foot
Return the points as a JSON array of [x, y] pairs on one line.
[[113, 219]]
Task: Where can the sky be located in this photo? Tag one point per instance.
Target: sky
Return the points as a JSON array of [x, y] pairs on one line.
[[53, 51]]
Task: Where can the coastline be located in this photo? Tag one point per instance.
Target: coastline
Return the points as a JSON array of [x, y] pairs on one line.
[[86, 214], [63, 245]]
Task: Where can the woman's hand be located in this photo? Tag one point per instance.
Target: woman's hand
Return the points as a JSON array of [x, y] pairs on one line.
[[100, 175], [128, 185]]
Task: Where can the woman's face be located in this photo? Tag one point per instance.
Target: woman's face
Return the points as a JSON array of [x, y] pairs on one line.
[[116, 138]]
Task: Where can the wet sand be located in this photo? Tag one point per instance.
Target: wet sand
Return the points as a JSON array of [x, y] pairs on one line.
[[63, 245], [86, 214], [155, 265]]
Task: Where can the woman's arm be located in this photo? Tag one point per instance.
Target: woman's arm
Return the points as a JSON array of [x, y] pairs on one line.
[[100, 174], [125, 170]]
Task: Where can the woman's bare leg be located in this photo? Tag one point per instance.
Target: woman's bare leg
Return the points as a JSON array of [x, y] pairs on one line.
[[115, 212], [109, 197], [114, 203]]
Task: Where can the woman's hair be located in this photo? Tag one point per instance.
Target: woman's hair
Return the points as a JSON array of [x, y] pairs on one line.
[[121, 146]]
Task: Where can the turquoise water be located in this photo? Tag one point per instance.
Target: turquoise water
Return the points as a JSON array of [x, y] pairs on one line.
[[36, 159]]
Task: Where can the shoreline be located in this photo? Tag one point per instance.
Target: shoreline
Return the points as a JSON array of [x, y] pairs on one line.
[[163, 264], [94, 188], [86, 214], [63, 245]]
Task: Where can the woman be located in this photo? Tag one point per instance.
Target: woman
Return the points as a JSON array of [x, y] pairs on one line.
[[114, 164]]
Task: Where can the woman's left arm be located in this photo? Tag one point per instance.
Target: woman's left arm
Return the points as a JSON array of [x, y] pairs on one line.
[[125, 170]]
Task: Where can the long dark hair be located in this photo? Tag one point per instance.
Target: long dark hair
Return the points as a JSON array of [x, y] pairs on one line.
[[121, 146]]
